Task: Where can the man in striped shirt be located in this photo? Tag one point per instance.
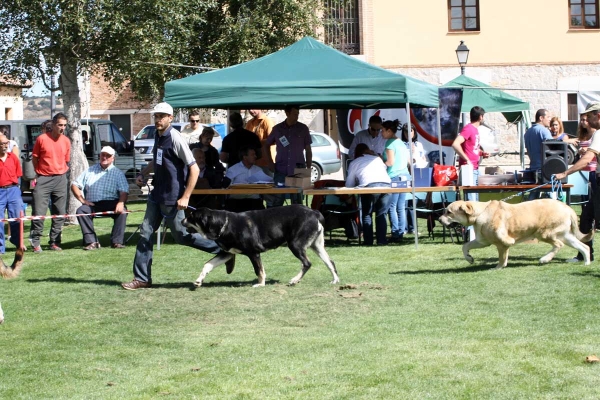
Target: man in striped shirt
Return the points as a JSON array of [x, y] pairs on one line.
[[103, 187]]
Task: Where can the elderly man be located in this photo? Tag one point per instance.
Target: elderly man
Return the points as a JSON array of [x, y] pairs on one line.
[[103, 187], [10, 193], [51, 155], [245, 172], [292, 141], [175, 175]]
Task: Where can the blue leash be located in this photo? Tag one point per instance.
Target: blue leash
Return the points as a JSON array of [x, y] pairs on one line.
[[555, 188]]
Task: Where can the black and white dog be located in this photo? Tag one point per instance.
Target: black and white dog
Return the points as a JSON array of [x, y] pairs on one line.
[[253, 232]]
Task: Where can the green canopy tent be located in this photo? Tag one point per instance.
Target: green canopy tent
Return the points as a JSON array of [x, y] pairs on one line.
[[477, 93], [307, 73]]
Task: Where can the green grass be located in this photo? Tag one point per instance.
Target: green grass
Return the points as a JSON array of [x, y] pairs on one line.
[[415, 323]]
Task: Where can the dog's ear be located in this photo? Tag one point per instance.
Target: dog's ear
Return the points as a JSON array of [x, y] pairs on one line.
[[467, 208]]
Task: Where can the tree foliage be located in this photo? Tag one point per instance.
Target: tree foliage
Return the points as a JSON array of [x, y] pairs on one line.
[[139, 42]]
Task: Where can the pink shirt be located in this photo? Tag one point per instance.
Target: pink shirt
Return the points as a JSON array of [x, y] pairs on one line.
[[470, 146], [592, 164]]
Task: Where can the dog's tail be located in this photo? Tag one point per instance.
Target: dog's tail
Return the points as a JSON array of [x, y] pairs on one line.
[[575, 230], [13, 271]]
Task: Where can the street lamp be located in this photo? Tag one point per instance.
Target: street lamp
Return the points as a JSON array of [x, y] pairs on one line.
[[462, 53]]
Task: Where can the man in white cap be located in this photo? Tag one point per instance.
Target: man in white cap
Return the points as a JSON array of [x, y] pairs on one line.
[[102, 187], [593, 119], [175, 176]]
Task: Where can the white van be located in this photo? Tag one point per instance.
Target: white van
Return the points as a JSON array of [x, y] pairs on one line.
[[96, 133]]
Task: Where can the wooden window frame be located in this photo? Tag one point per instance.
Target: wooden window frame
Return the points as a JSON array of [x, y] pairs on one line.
[[582, 4], [463, 28]]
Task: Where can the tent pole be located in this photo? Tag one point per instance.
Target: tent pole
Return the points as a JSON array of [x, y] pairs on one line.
[[412, 174], [522, 143], [439, 135]]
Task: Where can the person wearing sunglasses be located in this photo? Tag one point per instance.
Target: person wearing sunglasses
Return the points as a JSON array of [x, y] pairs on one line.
[[191, 132], [370, 136]]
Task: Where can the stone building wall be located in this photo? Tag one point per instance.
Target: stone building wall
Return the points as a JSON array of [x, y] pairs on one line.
[[536, 84]]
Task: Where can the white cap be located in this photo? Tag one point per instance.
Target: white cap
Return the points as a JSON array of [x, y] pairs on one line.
[[164, 108], [108, 150]]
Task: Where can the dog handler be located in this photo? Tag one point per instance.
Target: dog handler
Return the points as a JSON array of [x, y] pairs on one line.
[[175, 175], [592, 113]]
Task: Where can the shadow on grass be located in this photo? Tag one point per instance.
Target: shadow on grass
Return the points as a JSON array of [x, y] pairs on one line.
[[592, 274], [171, 285], [487, 264]]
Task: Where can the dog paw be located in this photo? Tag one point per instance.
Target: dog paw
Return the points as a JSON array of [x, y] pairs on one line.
[[197, 284], [545, 260], [258, 285], [333, 282], [469, 258], [499, 266]]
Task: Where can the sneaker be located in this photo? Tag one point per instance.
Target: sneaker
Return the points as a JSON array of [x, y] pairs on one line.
[[55, 247], [37, 249], [92, 246], [117, 246], [135, 285]]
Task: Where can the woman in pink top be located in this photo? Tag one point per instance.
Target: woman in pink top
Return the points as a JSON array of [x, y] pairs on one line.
[[585, 133]]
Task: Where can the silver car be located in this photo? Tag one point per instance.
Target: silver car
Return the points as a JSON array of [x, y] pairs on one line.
[[144, 140], [326, 157]]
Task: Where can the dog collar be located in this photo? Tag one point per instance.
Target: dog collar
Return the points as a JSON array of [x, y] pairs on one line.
[[223, 228]]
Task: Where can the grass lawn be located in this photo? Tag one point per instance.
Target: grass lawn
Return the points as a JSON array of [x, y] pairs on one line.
[[404, 323]]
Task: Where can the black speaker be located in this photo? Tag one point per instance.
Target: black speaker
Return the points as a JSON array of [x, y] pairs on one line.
[[554, 159]]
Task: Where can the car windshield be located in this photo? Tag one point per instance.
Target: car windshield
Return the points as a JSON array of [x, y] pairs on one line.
[[146, 133]]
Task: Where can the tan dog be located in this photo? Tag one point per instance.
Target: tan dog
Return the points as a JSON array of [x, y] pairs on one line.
[[502, 225]]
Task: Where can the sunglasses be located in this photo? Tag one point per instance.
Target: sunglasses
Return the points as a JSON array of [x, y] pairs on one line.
[[194, 120]]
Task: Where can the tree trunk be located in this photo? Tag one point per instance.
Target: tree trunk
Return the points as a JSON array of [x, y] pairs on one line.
[[70, 93]]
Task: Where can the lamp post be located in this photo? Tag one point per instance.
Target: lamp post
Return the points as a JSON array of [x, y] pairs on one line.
[[462, 53]]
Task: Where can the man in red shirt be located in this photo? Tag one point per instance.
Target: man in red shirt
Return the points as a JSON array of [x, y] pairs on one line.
[[51, 154], [10, 193]]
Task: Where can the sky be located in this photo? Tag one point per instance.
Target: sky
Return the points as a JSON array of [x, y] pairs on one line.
[[37, 90]]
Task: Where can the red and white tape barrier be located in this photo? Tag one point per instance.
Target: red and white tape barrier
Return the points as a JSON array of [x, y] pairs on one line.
[[42, 217]]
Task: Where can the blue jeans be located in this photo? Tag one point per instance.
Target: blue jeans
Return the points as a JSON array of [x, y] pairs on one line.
[[10, 199], [397, 212], [378, 204], [142, 263]]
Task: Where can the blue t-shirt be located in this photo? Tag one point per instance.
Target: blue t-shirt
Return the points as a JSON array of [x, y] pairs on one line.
[[401, 156], [533, 143]]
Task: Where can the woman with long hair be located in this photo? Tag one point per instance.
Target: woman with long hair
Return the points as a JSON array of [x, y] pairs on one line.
[[396, 158], [558, 131], [418, 152]]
